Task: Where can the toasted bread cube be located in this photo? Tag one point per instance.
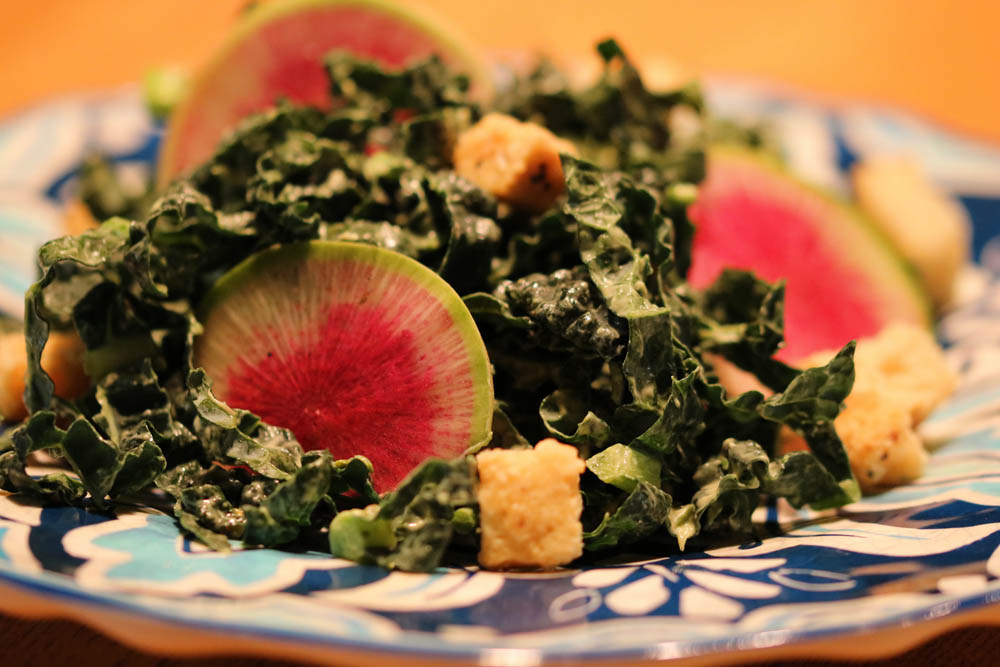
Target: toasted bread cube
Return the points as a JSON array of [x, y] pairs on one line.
[[529, 506], [928, 227], [62, 359], [516, 162], [13, 365], [900, 375], [904, 362], [881, 443]]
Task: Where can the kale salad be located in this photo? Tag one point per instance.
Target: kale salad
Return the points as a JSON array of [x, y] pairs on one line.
[[594, 336]]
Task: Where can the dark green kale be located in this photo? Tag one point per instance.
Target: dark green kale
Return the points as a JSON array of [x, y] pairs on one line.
[[746, 325], [466, 217], [106, 194], [566, 312], [617, 122], [594, 336], [415, 524], [642, 513]]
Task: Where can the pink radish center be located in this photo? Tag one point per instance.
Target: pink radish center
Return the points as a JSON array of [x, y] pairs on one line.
[[749, 221], [284, 59], [354, 349], [352, 389]]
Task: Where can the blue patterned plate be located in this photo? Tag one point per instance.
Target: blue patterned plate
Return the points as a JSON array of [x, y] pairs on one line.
[[895, 568]]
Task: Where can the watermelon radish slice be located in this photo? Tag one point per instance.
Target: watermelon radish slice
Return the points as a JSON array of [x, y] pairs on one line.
[[277, 50], [355, 349], [844, 280]]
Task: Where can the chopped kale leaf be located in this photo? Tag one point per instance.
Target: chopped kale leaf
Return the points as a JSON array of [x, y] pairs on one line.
[[594, 336]]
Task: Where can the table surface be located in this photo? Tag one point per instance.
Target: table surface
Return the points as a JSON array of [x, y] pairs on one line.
[[40, 644], [938, 59]]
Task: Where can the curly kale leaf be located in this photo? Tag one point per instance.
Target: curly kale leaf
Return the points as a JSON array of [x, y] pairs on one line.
[[466, 216], [745, 325], [674, 433], [423, 87], [535, 244], [116, 443], [568, 419], [302, 181], [224, 177], [279, 518], [566, 313], [212, 510], [809, 405], [53, 488], [413, 525], [107, 194], [71, 268], [731, 483], [617, 121], [184, 241], [240, 436], [381, 234], [640, 515], [603, 206]]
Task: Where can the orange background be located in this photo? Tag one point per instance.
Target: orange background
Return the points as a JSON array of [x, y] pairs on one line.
[[938, 58]]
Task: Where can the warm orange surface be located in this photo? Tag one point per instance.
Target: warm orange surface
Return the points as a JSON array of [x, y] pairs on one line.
[[940, 58]]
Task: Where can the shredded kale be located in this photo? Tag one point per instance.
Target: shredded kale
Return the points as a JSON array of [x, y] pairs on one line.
[[594, 335], [107, 194]]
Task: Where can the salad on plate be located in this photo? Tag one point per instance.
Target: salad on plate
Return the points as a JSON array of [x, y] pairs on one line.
[[418, 322]]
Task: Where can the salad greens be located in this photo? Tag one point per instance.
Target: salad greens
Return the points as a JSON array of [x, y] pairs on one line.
[[594, 335]]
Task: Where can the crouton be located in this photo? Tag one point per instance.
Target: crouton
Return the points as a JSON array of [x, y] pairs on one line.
[[882, 445], [928, 227], [12, 368], [516, 162], [529, 506], [904, 362], [62, 359], [900, 376]]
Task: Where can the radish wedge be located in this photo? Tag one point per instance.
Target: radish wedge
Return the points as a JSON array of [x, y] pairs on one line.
[[276, 51], [844, 279], [355, 349]]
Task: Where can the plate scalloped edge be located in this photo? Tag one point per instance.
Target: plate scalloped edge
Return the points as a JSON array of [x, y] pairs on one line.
[[168, 639]]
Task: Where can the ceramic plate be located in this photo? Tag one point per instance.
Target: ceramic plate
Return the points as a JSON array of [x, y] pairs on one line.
[[896, 567]]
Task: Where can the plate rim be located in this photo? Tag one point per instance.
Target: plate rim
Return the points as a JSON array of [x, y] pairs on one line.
[[879, 641]]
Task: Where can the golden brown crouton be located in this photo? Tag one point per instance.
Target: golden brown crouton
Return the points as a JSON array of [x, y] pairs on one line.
[[928, 227], [516, 162], [882, 445], [62, 359], [12, 368], [530, 505], [900, 375], [904, 362]]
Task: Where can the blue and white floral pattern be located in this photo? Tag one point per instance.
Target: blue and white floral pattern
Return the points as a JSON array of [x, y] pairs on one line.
[[921, 551]]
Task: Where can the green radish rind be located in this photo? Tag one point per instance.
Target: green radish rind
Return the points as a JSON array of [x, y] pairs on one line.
[[463, 55], [247, 271], [892, 275]]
